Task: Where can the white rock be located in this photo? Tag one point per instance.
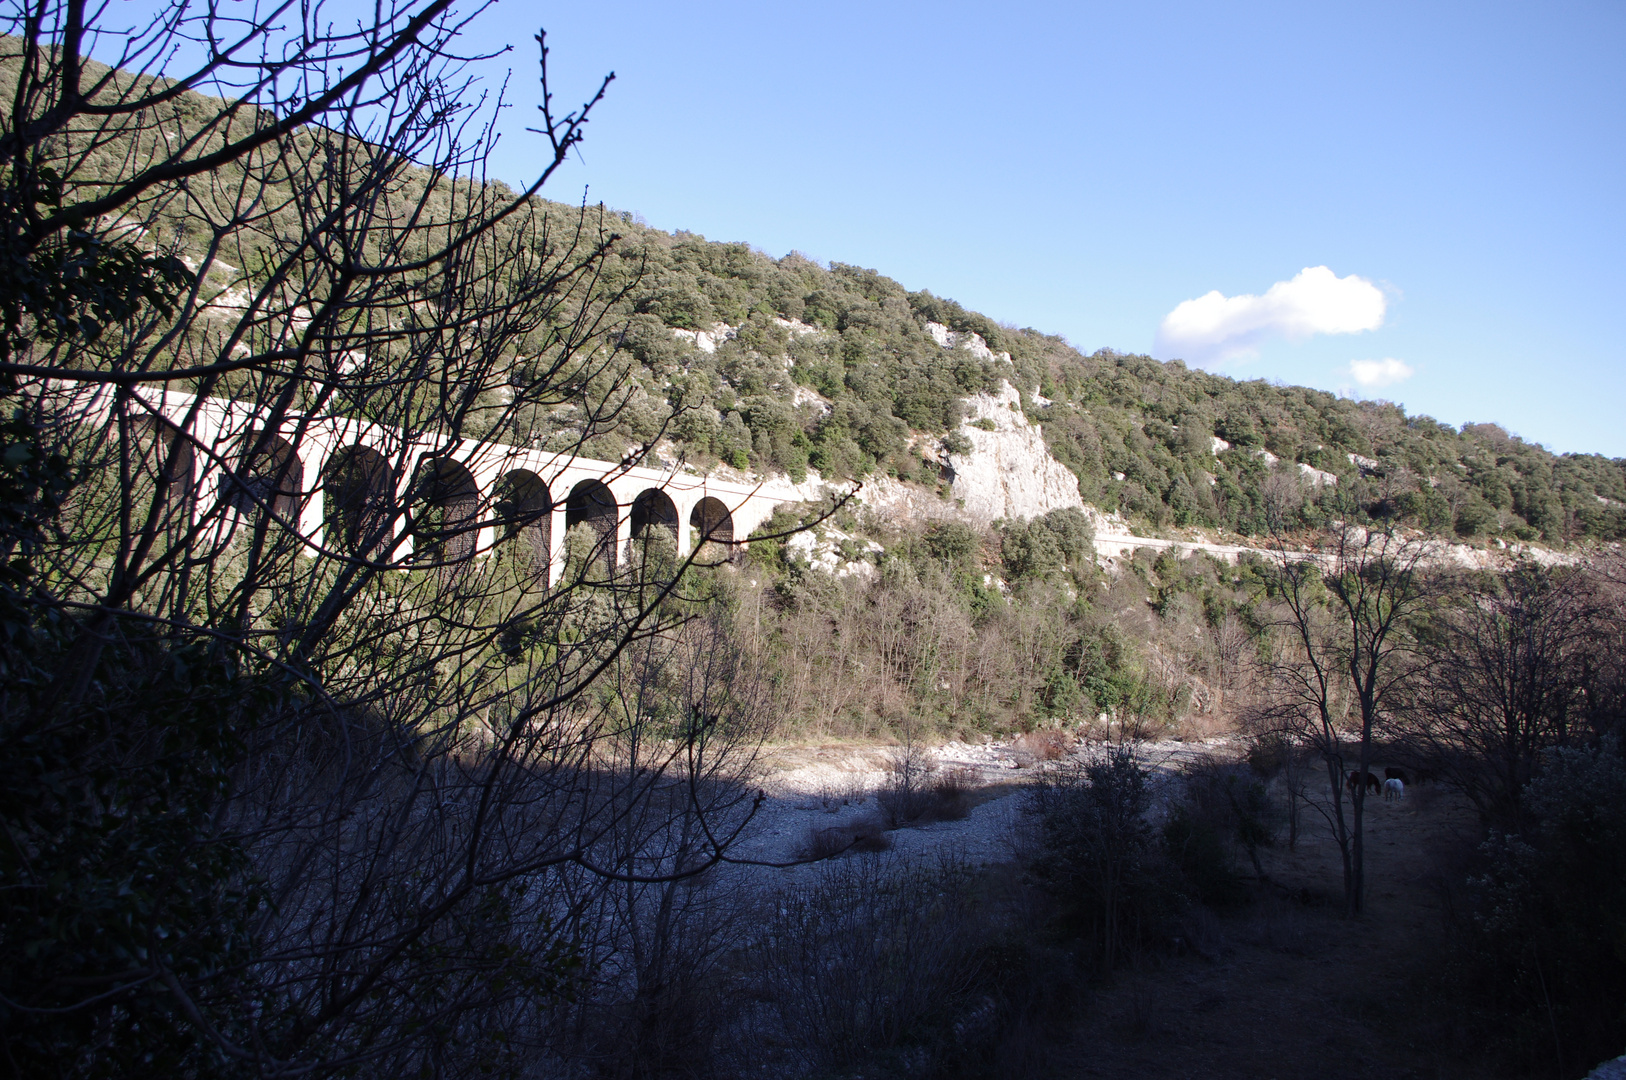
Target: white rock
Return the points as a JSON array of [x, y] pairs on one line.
[[820, 548], [903, 504], [708, 340], [1009, 472], [804, 395], [1317, 477], [972, 343], [797, 326]]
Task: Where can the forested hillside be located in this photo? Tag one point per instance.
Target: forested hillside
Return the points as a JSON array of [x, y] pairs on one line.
[[1139, 434], [784, 364]]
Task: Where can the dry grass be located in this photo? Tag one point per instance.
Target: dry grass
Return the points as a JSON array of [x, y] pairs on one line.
[[1287, 986], [1048, 744], [1195, 727], [865, 836], [915, 794]]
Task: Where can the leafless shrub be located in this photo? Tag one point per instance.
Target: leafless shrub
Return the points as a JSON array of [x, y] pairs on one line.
[[1046, 744], [865, 836], [904, 806], [824, 842], [660, 1001], [1518, 662], [850, 790], [952, 794], [878, 958], [906, 797], [916, 793], [869, 837]]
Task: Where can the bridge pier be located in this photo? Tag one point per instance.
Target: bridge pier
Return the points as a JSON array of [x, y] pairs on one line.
[[623, 532], [313, 511], [556, 557], [685, 537]]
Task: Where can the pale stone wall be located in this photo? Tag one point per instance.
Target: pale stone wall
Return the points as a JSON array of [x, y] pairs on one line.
[[217, 429]]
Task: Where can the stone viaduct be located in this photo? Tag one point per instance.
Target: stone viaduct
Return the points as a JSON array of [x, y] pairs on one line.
[[361, 488]]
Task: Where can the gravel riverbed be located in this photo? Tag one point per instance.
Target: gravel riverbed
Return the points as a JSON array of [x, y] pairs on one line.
[[808, 788]]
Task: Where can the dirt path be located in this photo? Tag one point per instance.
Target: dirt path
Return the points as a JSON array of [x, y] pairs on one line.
[[1283, 990]]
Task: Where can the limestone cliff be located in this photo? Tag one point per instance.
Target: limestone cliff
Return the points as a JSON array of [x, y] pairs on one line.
[[1009, 472]]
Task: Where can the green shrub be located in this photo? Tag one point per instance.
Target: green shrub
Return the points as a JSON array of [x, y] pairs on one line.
[[1198, 847], [1099, 859], [1541, 954]]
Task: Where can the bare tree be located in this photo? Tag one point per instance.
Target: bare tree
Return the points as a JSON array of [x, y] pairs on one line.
[[287, 803], [1512, 668], [1341, 655]]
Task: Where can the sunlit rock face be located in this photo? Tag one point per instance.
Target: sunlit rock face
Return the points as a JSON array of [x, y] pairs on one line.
[[1009, 472]]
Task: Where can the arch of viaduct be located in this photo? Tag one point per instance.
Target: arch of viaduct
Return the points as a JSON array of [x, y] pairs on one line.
[[363, 488]]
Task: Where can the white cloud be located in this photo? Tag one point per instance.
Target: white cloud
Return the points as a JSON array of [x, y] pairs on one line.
[[1373, 374], [1215, 328]]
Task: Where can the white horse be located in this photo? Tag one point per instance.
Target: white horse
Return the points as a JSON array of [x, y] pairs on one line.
[[1394, 788]]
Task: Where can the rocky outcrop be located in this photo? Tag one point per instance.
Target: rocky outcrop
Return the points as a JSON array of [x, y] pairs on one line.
[[835, 552], [707, 340], [1009, 472], [1317, 478], [906, 504], [969, 341]]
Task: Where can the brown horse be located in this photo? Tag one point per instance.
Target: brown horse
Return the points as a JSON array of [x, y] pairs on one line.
[[1373, 785]]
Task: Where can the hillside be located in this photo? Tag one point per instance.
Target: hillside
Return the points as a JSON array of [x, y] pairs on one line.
[[784, 365]]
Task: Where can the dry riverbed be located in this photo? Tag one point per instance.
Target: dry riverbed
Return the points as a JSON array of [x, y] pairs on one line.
[[810, 788], [1284, 987]]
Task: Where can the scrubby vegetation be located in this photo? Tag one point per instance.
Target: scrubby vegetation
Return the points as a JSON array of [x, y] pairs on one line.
[[841, 369], [959, 631], [1538, 956], [1138, 434], [274, 806]]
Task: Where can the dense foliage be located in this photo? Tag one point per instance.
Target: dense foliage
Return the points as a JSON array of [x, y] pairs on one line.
[[1139, 434], [1540, 953]]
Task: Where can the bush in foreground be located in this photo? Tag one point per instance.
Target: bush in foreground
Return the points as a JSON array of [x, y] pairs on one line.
[[1541, 953]]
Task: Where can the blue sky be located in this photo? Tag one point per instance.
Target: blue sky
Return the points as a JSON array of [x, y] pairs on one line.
[[1422, 202], [1084, 169]]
